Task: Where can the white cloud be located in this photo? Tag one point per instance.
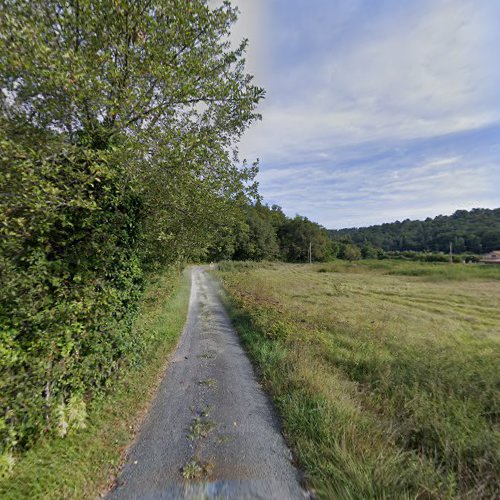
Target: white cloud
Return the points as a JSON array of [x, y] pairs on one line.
[[421, 75], [254, 24], [414, 72], [410, 69], [356, 196]]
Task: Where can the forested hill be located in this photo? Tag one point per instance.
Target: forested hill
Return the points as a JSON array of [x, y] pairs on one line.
[[476, 231]]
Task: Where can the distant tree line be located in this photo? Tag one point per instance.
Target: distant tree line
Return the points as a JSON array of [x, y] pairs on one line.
[[475, 231], [265, 233]]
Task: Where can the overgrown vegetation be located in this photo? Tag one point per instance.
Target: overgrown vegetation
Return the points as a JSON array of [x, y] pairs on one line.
[[117, 129], [81, 464], [385, 373], [475, 231], [71, 280], [266, 233]]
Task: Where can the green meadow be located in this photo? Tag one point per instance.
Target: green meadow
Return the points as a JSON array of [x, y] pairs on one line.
[[385, 373]]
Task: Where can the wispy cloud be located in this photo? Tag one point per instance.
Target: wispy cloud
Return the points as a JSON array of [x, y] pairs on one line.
[[417, 178], [381, 105]]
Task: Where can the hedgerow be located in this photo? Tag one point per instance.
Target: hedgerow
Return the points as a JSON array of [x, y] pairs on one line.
[[118, 126], [70, 281]]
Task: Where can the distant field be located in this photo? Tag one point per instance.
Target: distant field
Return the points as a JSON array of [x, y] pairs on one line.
[[386, 373]]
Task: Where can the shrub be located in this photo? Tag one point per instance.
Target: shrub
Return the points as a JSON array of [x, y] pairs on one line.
[[369, 252], [70, 279], [350, 251]]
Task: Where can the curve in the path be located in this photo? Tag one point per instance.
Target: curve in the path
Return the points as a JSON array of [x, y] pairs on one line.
[[211, 431]]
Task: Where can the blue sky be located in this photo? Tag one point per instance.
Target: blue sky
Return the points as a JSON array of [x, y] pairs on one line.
[[376, 110]]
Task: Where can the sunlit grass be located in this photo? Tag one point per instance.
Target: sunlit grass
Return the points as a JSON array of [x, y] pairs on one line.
[[386, 376]]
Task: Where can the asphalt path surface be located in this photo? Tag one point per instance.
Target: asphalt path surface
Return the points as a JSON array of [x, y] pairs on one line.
[[211, 431]]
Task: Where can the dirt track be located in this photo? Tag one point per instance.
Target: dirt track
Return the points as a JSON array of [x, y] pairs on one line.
[[211, 432]]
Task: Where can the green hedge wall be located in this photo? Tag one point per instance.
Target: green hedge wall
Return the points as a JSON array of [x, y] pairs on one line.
[[70, 280]]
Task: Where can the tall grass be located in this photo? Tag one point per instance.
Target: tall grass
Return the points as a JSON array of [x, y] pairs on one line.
[[387, 384]]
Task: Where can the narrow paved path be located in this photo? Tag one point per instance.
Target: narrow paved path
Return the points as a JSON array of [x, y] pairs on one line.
[[211, 432]]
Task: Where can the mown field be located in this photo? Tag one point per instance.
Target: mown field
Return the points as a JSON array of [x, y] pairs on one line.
[[386, 374]]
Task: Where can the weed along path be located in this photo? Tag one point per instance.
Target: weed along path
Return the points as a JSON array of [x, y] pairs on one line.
[[211, 432]]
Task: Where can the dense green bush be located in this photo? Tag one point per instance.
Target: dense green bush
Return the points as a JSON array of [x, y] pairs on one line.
[[70, 279], [350, 252], [118, 126]]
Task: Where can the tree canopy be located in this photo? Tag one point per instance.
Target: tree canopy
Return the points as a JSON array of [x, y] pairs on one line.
[[155, 82], [476, 231], [266, 233], [118, 126]]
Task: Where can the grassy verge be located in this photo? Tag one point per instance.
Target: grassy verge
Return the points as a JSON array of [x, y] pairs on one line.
[[82, 464], [386, 379]]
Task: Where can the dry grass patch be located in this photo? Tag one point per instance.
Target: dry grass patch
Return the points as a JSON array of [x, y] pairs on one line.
[[386, 376]]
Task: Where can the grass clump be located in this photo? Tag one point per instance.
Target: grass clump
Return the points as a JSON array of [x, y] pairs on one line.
[[200, 428], [83, 463], [387, 384], [192, 470], [196, 469], [208, 382], [207, 355]]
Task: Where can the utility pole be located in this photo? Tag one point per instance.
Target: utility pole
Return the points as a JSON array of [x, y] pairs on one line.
[[451, 252], [310, 253]]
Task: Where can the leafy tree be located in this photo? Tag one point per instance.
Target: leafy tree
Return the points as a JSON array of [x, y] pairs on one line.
[[258, 240], [369, 252], [268, 233], [350, 251], [335, 247], [296, 234], [275, 215], [155, 81], [118, 120]]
